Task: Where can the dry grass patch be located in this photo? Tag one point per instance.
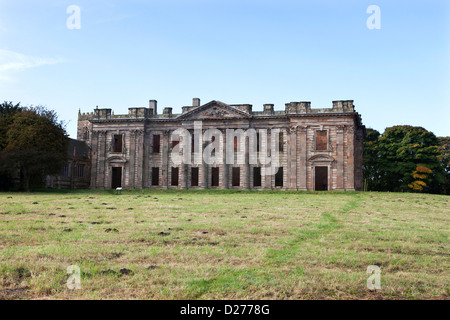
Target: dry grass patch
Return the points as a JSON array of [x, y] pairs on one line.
[[168, 244]]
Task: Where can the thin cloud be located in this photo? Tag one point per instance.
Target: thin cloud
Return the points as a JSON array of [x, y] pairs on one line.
[[11, 61]]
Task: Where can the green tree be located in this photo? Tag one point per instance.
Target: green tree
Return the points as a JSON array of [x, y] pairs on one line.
[[36, 145], [7, 111], [444, 158], [371, 165], [400, 150]]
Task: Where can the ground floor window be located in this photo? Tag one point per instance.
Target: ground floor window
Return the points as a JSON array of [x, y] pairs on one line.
[[65, 170], [174, 176], [236, 179], [155, 176], [194, 177], [257, 176], [214, 177], [279, 177], [80, 170]]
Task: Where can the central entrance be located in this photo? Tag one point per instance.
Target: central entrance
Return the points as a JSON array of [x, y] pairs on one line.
[[321, 175], [116, 181]]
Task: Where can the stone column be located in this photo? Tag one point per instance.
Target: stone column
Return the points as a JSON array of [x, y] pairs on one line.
[[292, 159], [340, 158], [101, 159], [185, 176], [350, 158], [302, 159], [224, 166], [204, 167], [94, 159], [184, 168], [145, 160], [245, 176], [109, 147], [152, 158], [132, 158], [165, 159], [269, 177], [139, 167]]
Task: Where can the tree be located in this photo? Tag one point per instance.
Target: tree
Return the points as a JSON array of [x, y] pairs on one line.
[[36, 145], [7, 111], [421, 178], [444, 158], [400, 150], [371, 167]]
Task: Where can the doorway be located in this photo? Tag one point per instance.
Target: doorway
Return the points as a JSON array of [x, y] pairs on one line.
[[116, 181], [321, 174]]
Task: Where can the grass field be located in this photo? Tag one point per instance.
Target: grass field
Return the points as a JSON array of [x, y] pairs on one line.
[[223, 245]]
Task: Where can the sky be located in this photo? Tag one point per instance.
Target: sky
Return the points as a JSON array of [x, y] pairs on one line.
[[125, 53]]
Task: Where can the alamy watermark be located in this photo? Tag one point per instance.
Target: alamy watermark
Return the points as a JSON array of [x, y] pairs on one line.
[[374, 281], [227, 146], [74, 280], [74, 20], [374, 20]]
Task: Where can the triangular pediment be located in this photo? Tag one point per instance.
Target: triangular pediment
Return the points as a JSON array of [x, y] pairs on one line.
[[214, 110]]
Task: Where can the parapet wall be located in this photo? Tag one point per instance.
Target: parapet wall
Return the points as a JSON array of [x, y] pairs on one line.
[[302, 107]]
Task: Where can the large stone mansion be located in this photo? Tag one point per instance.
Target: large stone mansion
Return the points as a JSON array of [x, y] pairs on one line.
[[318, 149]]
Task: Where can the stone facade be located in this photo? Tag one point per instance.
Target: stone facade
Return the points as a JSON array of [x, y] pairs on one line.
[[76, 172], [321, 149]]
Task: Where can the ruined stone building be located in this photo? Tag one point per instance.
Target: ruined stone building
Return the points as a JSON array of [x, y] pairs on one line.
[[76, 172], [319, 149]]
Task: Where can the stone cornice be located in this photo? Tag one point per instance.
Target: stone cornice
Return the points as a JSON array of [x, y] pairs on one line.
[[257, 117]]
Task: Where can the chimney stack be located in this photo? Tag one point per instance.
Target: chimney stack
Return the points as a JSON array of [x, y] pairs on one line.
[[167, 112], [153, 107], [196, 102], [268, 109]]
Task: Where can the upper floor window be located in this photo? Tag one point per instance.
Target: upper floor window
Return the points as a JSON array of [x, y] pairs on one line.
[[258, 141], [213, 152], [281, 142], [117, 143], [193, 138], [156, 143], [321, 140], [86, 134]]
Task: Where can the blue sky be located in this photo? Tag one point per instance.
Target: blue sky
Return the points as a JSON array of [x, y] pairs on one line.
[[246, 51]]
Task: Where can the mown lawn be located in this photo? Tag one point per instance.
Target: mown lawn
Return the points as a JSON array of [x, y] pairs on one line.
[[169, 244]]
